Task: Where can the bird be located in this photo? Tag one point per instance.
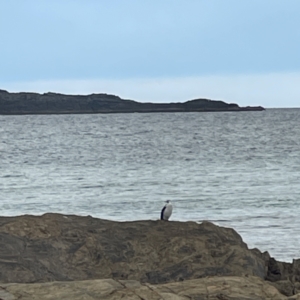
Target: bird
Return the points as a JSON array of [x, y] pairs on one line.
[[166, 211]]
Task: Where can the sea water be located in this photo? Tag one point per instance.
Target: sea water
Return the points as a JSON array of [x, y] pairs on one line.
[[236, 169]]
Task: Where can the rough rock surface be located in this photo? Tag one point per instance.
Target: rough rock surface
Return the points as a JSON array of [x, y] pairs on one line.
[[213, 288], [56, 247], [52, 103]]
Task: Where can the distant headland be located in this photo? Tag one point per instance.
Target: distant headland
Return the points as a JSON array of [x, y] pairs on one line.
[[53, 103]]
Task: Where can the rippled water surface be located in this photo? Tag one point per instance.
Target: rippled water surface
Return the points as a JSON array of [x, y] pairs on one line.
[[237, 169]]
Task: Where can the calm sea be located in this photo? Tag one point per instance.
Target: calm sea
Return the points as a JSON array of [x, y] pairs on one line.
[[237, 169]]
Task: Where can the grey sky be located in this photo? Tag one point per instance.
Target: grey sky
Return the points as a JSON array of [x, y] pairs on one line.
[[169, 50]]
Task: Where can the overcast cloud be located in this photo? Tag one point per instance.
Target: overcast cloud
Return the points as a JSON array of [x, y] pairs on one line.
[[245, 52]]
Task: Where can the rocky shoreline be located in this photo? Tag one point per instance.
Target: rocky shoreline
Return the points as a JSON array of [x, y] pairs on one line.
[[53, 103], [56, 254]]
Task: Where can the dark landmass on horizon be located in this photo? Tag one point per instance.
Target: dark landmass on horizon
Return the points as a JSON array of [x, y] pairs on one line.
[[53, 103]]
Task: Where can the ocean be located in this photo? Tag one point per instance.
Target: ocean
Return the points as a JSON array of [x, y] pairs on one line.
[[236, 169]]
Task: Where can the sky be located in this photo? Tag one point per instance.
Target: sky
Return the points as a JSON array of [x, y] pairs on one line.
[[239, 51]]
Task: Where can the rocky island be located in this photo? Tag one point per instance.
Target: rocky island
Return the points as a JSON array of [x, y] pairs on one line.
[[53, 103], [56, 256]]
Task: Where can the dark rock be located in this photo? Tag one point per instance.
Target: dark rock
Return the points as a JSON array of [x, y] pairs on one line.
[[57, 247], [66, 248], [53, 103], [285, 287]]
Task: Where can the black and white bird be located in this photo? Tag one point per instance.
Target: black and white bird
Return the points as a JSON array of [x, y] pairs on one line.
[[166, 211]]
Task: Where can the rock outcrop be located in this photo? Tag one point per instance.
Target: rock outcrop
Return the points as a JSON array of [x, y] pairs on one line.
[[53, 103], [55, 247], [58, 247], [213, 288]]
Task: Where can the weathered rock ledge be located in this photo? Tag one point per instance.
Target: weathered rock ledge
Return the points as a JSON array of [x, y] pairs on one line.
[[53, 103], [213, 288], [67, 248]]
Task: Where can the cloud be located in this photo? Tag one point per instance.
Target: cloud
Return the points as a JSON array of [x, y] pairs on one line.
[[268, 90]]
